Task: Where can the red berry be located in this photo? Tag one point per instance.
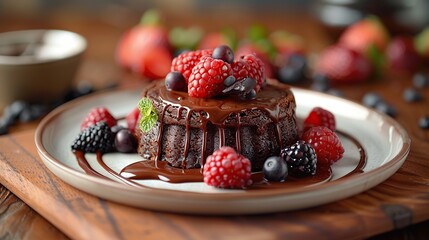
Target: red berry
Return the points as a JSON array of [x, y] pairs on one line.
[[154, 63], [206, 79], [249, 66], [326, 143], [225, 168], [96, 115], [402, 54], [319, 117], [185, 62], [341, 64], [252, 48], [132, 119], [364, 34]]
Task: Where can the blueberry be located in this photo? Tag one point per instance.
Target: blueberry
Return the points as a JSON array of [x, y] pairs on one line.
[[248, 84], [275, 169], [12, 112], [420, 80], [224, 53], [412, 95], [250, 95], [229, 81], [175, 81], [115, 129], [125, 141], [4, 128], [297, 61], [371, 99], [319, 86], [321, 78], [386, 108], [290, 75], [424, 122]]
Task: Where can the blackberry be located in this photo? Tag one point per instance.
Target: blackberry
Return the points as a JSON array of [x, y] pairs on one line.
[[97, 138], [300, 158]]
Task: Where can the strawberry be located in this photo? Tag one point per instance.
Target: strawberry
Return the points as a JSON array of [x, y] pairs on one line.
[[96, 115], [341, 64], [132, 119], [207, 77], [225, 168], [363, 34], [402, 54], [326, 144], [186, 61], [145, 49], [319, 117], [249, 66]]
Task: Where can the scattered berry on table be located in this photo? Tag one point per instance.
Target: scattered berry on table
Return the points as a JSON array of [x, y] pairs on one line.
[[326, 144], [175, 81], [371, 99], [301, 159], [424, 122], [412, 95], [275, 169], [96, 115], [96, 138], [225, 168], [132, 119], [125, 141], [320, 83], [386, 108], [293, 72], [207, 77], [320, 117], [185, 62], [224, 53], [344, 65], [420, 80]]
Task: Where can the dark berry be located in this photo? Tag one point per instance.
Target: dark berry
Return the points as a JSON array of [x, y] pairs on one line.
[[4, 128], [125, 141], [224, 53], [248, 84], [412, 95], [321, 78], [175, 81], [33, 112], [229, 81], [371, 99], [290, 75], [300, 158], [320, 83], [96, 138], [386, 109], [275, 169], [243, 88], [250, 95], [12, 112], [420, 80], [424, 122]]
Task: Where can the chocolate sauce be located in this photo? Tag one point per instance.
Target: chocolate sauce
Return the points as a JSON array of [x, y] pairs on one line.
[[216, 111], [152, 169]]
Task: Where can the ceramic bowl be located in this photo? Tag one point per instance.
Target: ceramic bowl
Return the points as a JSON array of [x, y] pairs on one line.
[[38, 65]]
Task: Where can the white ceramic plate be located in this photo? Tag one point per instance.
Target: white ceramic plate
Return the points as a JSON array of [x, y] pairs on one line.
[[385, 142]]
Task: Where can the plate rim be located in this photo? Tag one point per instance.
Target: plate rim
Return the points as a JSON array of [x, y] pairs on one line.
[[399, 158]]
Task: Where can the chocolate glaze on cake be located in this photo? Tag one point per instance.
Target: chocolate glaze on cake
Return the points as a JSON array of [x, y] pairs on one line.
[[189, 129]]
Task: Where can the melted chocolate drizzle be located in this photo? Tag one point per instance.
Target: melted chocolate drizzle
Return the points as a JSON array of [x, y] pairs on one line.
[[152, 169]]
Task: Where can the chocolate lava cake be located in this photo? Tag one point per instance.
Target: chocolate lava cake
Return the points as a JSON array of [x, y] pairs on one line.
[[190, 129]]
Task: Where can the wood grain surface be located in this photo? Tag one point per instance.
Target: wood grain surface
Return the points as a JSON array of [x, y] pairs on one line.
[[399, 202]]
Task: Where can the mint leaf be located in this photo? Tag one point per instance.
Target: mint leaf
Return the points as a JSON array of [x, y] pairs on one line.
[[148, 114]]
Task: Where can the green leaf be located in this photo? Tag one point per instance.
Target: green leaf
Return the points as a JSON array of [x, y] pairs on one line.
[[148, 114], [377, 58]]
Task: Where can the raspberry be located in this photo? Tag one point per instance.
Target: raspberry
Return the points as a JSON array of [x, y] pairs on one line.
[[206, 79], [96, 138], [326, 143], [249, 66], [225, 168], [186, 61], [96, 115], [319, 117], [301, 159], [132, 119]]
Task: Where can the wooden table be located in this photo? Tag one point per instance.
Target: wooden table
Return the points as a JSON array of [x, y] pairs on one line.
[[397, 208]]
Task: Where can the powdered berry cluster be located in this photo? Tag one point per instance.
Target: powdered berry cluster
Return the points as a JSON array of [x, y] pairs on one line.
[[214, 73]]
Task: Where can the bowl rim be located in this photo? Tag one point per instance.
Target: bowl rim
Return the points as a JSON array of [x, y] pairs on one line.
[[19, 60]]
